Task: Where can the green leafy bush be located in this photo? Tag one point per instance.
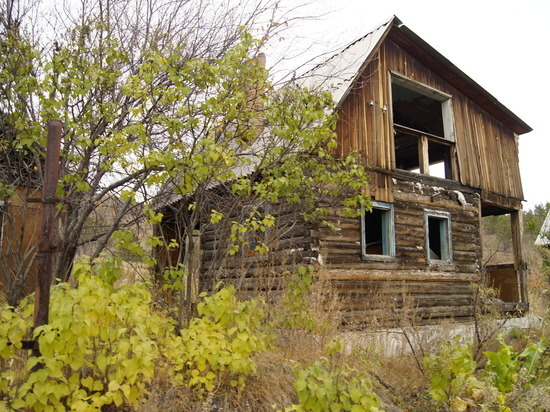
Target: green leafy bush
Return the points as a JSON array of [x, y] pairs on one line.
[[103, 345], [449, 368], [98, 349], [453, 379], [326, 386], [218, 346], [503, 366], [297, 309]]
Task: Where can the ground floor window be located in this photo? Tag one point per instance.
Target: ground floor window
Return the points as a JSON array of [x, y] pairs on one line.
[[378, 232], [438, 237]]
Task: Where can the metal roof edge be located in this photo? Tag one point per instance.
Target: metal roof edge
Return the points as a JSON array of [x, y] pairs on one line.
[[389, 22]]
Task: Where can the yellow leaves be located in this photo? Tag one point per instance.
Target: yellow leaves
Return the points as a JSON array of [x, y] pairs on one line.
[[96, 334], [215, 216], [91, 384], [123, 348], [221, 342], [101, 362], [13, 328], [458, 404]]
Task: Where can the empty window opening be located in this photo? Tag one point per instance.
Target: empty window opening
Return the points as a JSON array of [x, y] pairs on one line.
[[438, 237], [417, 111], [422, 121], [419, 154], [378, 239]]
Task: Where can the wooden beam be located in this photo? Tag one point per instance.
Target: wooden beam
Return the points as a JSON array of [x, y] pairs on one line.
[[520, 263], [423, 158]]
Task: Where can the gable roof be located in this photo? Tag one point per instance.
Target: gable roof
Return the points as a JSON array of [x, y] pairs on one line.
[[543, 239], [339, 72]]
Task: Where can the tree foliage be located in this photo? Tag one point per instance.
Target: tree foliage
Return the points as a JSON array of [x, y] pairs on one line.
[[170, 96]]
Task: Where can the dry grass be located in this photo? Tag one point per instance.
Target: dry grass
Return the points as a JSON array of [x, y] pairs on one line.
[[391, 356]]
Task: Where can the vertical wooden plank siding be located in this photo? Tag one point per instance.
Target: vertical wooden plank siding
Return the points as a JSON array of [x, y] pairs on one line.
[[486, 149]]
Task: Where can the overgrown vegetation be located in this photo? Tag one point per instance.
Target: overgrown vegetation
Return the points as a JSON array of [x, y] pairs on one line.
[[109, 347], [159, 99], [186, 110]]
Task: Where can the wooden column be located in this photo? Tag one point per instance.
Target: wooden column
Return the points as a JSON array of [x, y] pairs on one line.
[[520, 263], [423, 158]]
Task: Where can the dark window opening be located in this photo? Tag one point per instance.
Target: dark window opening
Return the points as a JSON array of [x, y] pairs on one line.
[[406, 151], [378, 239], [435, 230], [435, 160], [374, 233], [438, 237], [422, 121], [417, 111]]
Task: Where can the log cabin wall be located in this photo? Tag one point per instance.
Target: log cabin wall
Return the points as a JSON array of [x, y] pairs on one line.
[[481, 177], [252, 273], [369, 288], [487, 152]]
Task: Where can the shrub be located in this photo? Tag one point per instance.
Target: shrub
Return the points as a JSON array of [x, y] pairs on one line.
[[218, 346], [98, 349], [326, 386], [453, 379], [103, 345]]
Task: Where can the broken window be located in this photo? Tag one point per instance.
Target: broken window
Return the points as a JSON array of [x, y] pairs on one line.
[[378, 233], [423, 129], [438, 237]]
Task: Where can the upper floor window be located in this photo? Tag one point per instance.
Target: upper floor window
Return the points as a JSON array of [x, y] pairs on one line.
[[423, 129], [377, 232]]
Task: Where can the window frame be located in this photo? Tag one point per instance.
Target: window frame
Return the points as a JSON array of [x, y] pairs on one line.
[[445, 237], [424, 138], [388, 232]]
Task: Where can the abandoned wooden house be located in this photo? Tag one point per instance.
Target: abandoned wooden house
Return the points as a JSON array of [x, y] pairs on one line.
[[443, 154]]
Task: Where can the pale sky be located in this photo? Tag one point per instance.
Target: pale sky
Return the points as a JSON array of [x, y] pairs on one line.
[[502, 45]]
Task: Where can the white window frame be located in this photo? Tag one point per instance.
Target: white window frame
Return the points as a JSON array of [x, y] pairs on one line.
[[388, 233], [445, 237]]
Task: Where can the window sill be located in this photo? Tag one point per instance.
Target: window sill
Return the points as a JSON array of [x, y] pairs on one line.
[[440, 262], [378, 258]]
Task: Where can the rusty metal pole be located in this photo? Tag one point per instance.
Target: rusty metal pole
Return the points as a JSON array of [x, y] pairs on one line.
[[47, 245]]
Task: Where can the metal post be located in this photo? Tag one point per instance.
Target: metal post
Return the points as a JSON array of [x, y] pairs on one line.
[[47, 244]]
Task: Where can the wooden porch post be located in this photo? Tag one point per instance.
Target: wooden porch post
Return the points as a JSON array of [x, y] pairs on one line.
[[520, 263]]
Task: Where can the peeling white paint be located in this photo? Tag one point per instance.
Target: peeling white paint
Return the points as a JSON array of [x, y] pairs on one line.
[[460, 197], [320, 260]]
